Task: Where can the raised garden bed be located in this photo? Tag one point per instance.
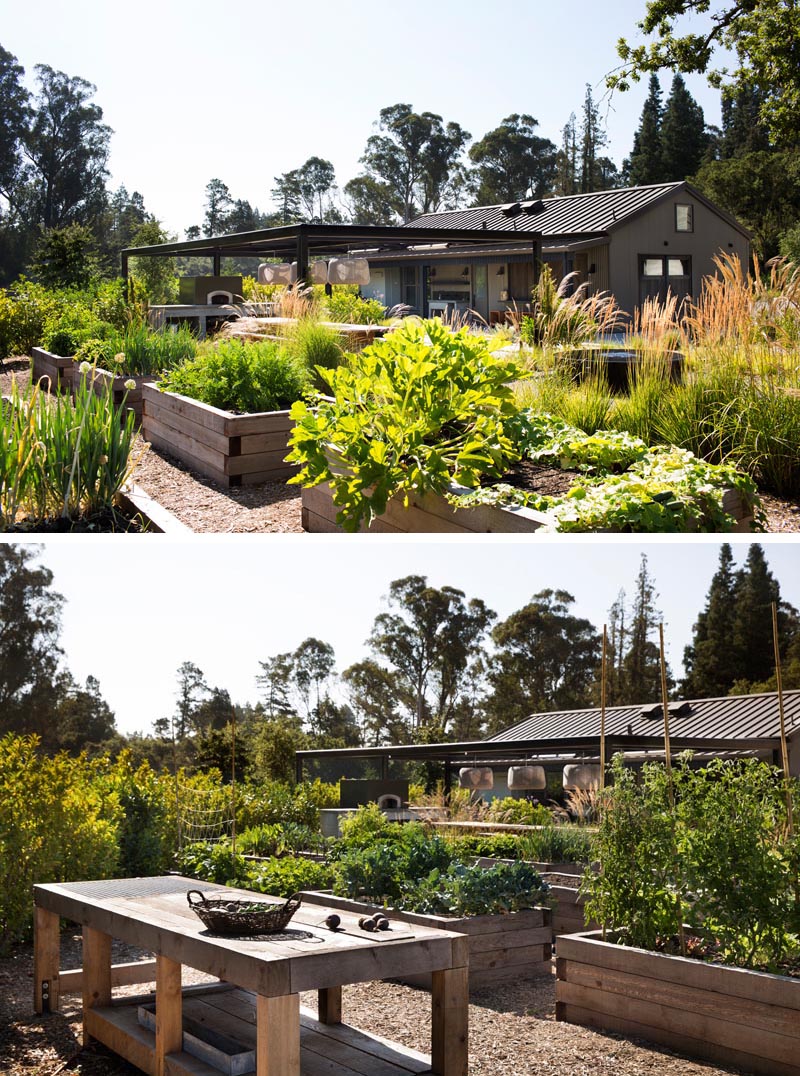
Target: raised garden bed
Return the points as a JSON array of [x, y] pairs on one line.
[[750, 1019], [431, 513], [428, 513], [232, 449], [502, 948], [59, 370]]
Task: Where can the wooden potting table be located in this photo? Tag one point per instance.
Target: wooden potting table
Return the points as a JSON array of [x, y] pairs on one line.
[[255, 999]]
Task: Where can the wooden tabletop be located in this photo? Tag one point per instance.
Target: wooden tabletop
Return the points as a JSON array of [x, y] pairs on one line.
[[154, 913]]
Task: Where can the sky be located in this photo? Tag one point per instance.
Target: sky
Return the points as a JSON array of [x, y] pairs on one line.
[[243, 93], [137, 608]]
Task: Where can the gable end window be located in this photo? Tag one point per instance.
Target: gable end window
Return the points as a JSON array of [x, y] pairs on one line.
[[684, 218]]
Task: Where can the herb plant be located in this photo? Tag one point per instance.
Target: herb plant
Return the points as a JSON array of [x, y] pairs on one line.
[[411, 413], [462, 890], [240, 377]]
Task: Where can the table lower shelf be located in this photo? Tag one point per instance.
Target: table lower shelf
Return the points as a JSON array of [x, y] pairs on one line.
[[326, 1049]]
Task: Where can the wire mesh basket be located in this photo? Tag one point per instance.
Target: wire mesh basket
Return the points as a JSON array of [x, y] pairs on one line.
[[242, 916]]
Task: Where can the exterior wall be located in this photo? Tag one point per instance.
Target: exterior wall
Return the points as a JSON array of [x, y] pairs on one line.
[[653, 233]]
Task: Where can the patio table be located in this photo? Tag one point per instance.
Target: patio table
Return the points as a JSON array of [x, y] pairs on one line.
[[255, 998]]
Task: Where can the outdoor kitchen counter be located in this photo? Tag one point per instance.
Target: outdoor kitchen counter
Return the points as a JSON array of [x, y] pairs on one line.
[[153, 913]]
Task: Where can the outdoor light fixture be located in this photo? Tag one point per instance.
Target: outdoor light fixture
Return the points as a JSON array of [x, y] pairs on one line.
[[465, 271], [501, 270], [592, 269], [433, 271]]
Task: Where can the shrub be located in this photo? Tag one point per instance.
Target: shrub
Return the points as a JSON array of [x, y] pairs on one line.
[[277, 839], [520, 812], [240, 377], [273, 802], [55, 826], [346, 305]]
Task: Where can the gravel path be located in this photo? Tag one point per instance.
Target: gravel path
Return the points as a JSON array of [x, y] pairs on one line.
[[271, 508], [512, 1030]]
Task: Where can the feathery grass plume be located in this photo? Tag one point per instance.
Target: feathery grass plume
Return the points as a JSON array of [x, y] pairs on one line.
[[562, 316]]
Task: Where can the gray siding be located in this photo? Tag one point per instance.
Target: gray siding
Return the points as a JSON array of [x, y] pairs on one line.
[[653, 233]]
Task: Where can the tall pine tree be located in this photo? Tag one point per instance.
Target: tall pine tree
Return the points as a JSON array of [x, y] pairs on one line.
[[646, 164], [711, 659], [756, 590], [641, 663], [684, 139]]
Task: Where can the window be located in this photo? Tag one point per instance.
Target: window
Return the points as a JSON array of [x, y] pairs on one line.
[[679, 267], [652, 266], [684, 218]]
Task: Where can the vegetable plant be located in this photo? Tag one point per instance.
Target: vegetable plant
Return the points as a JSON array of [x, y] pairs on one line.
[[240, 377], [411, 413]]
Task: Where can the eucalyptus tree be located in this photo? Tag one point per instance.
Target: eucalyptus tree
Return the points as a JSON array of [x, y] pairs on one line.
[[430, 637], [513, 161], [316, 183], [546, 658], [416, 157], [15, 114], [30, 651], [369, 200], [67, 147]]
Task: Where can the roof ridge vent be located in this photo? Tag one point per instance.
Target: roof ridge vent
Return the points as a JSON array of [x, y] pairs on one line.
[[652, 711], [511, 209], [680, 709], [535, 205]]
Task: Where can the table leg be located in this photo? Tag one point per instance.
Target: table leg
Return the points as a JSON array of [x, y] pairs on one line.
[[169, 1011], [96, 972], [330, 1005], [46, 960], [278, 1035], [450, 1011]]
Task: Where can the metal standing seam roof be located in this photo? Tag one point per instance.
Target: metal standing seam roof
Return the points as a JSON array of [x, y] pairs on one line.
[[575, 214], [737, 717]]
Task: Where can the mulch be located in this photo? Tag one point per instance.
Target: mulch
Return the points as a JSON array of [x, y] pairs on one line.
[[513, 1031]]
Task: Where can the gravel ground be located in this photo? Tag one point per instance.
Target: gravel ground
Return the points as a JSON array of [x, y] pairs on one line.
[[272, 508], [512, 1030]]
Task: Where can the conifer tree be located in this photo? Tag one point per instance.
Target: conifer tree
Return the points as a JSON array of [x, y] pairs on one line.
[[756, 590], [641, 664], [593, 138], [684, 139], [645, 164], [711, 659]]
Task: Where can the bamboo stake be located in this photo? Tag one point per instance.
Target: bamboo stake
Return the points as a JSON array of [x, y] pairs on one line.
[[603, 736], [603, 711], [233, 780], [670, 785], [784, 745]]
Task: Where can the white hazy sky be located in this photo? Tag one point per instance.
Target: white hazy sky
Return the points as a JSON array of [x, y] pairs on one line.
[[202, 89], [136, 608]]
